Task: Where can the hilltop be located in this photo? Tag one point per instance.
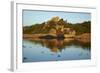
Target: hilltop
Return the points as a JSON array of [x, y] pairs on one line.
[[57, 25]]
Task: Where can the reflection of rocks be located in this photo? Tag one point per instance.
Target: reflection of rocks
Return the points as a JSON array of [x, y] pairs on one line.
[[55, 49], [56, 45], [86, 37]]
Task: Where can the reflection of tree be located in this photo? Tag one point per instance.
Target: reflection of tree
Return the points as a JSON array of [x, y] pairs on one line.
[[56, 45], [84, 45]]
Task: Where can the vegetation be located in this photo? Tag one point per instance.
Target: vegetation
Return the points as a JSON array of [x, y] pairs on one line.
[[46, 27], [81, 28]]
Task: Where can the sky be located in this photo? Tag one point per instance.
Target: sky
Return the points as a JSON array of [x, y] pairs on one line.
[[31, 17]]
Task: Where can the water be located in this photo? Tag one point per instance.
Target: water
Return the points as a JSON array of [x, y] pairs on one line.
[[37, 50]]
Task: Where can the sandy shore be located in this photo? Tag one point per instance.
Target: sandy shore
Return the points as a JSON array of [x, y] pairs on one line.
[[86, 37]]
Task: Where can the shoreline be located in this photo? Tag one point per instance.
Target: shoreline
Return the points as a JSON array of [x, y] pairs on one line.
[[86, 37]]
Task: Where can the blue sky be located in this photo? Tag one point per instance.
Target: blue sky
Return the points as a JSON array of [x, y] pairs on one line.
[[31, 17]]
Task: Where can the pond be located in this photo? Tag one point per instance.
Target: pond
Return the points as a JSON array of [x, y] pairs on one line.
[[37, 50]]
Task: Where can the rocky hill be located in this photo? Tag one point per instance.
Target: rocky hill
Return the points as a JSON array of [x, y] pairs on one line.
[[57, 25]]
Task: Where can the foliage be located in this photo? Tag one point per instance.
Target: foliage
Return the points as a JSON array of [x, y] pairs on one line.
[[45, 27]]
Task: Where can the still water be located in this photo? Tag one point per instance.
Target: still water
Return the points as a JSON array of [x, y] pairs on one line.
[[55, 50]]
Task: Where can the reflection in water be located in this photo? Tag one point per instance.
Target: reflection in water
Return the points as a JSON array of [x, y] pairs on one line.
[[56, 45], [55, 49]]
